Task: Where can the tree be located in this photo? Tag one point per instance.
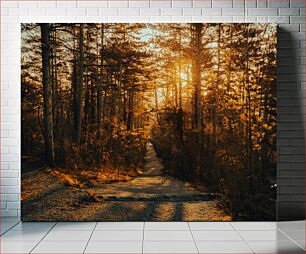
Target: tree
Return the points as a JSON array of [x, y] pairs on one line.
[[47, 87]]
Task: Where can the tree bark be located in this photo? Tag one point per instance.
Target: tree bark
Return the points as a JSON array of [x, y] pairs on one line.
[[79, 91], [47, 88]]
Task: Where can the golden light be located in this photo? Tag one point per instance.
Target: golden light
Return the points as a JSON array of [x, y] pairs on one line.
[[183, 75]]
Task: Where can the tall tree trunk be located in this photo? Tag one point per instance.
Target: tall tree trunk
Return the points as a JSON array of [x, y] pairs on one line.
[[100, 94], [48, 107], [131, 109], [215, 95], [79, 92], [248, 109], [197, 83]]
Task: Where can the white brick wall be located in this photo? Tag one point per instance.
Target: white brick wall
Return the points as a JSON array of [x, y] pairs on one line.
[[291, 73]]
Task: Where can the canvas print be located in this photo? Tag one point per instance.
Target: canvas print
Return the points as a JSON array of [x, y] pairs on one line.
[[148, 122]]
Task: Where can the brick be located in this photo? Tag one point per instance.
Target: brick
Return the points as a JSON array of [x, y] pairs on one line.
[[158, 19], [93, 4], [289, 11], [291, 182], [251, 19], [250, 3], [9, 213], [8, 181], [222, 3], [192, 11], [238, 19], [139, 4], [211, 12], [179, 3], [290, 174], [262, 12], [202, 19], [278, 3], [290, 126], [92, 12], [47, 4], [202, 3], [233, 12], [18, 12], [262, 3], [38, 11], [279, 20], [297, 3], [292, 198], [108, 11], [13, 205], [291, 150], [9, 197], [118, 4], [28, 4], [128, 11], [150, 12], [160, 3], [238, 3], [182, 19], [223, 19], [9, 173], [10, 189], [171, 11], [66, 4], [297, 20], [56, 12], [291, 190], [76, 12]]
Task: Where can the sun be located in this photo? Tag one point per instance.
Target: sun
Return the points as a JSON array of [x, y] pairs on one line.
[[183, 75]]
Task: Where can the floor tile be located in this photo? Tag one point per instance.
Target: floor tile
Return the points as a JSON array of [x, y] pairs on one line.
[[297, 236], [5, 226], [223, 247], [17, 247], [253, 225], [291, 225], [211, 226], [119, 226], [169, 247], [166, 226], [60, 247], [168, 236], [273, 235], [22, 236], [216, 236], [114, 247], [106, 236], [63, 226], [33, 226], [69, 236], [276, 247]]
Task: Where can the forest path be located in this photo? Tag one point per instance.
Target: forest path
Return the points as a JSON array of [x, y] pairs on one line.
[[152, 196], [152, 185]]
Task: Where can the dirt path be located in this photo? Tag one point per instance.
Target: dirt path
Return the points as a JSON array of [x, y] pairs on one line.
[[155, 196], [152, 196], [152, 185]]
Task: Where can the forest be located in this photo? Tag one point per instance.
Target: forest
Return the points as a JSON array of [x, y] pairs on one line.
[[158, 108]]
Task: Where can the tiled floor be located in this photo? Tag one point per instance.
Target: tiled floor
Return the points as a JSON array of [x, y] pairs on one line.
[[152, 237]]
